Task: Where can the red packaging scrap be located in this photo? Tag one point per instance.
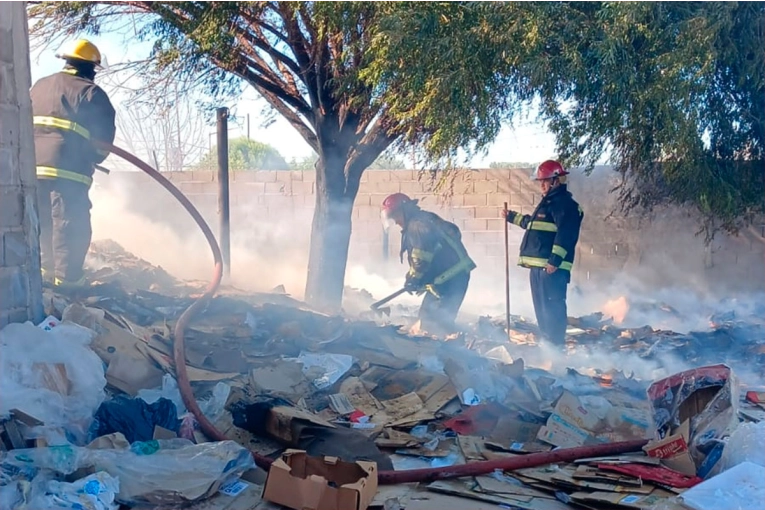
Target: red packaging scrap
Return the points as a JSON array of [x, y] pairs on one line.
[[658, 474], [478, 420], [358, 417]]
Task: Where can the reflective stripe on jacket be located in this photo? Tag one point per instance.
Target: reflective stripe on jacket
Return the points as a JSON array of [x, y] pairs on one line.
[[552, 231], [434, 249]]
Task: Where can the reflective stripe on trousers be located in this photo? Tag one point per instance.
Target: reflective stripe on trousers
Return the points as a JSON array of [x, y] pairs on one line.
[[540, 262]]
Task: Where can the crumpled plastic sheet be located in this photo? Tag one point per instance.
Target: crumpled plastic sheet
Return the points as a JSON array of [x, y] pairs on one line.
[[171, 472], [740, 488], [27, 374], [334, 366], [745, 444]]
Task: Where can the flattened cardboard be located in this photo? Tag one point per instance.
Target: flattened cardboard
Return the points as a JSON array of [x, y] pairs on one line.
[[54, 377], [509, 431], [301, 482], [131, 372], [284, 422], [403, 406], [340, 404], [459, 488], [559, 432], [571, 409], [618, 500]]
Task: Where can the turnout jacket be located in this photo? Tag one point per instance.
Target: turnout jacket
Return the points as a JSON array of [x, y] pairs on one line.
[[552, 231], [434, 249], [69, 111]]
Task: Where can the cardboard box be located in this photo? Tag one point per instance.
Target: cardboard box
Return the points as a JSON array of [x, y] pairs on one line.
[[707, 398], [673, 451], [302, 482]]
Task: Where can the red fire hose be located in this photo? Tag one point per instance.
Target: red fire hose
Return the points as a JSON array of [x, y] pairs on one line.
[[384, 477]]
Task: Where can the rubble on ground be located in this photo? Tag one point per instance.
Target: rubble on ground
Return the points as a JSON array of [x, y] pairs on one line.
[[102, 424]]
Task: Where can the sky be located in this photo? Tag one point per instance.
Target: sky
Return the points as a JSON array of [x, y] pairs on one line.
[[527, 141]]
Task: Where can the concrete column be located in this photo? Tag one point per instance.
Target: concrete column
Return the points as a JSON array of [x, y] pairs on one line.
[[20, 279]]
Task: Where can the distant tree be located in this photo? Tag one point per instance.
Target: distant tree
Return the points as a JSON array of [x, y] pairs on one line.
[[388, 162], [246, 154], [304, 163], [511, 164], [385, 161]]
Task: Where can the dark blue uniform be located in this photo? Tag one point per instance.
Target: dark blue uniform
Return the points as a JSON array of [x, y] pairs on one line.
[[552, 232], [69, 112], [439, 265]]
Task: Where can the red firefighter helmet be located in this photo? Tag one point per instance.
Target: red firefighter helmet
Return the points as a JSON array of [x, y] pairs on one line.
[[394, 202], [548, 170]]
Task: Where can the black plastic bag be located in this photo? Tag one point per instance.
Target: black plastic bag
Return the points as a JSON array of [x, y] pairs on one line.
[[134, 418]]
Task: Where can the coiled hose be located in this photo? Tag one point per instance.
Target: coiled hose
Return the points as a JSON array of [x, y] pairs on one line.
[[384, 477]]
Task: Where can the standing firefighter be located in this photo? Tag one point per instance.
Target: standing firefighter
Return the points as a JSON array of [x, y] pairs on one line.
[[547, 249], [439, 265], [70, 111]]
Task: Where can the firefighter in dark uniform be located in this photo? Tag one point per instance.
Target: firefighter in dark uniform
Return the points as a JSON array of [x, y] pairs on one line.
[[70, 111], [547, 249], [439, 265]]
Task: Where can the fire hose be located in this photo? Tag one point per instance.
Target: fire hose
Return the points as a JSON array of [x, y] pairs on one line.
[[384, 477]]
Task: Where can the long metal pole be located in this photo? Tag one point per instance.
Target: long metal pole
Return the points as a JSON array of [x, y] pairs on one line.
[[224, 235], [507, 276]]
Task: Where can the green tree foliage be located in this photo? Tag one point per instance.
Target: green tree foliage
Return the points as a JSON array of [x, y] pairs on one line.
[[672, 92], [383, 162], [246, 154]]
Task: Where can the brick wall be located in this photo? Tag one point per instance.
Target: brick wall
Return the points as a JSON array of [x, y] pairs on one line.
[[611, 250], [20, 285]]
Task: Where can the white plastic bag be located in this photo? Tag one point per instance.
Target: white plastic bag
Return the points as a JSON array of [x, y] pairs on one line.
[[334, 366], [740, 488], [746, 443], [94, 492], [211, 407], [172, 472], [51, 375], [169, 391]]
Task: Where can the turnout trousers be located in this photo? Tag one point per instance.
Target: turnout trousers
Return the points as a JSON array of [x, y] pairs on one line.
[[439, 313], [65, 230], [548, 292]]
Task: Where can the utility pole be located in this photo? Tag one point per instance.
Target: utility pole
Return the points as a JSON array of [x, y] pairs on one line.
[[224, 233], [248, 126]]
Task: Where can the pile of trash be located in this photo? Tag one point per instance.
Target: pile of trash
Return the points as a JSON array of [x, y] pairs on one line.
[[335, 402]]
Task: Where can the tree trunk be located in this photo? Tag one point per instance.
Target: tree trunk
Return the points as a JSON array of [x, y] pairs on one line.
[[330, 235]]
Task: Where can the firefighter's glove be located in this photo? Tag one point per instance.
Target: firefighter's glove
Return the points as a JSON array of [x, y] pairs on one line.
[[511, 216], [412, 284]]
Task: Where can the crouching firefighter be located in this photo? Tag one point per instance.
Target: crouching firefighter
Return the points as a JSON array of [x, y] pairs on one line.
[[439, 265], [70, 111], [547, 249]]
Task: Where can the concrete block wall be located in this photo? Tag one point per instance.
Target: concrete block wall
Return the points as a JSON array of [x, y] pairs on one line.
[[273, 209], [20, 281]]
